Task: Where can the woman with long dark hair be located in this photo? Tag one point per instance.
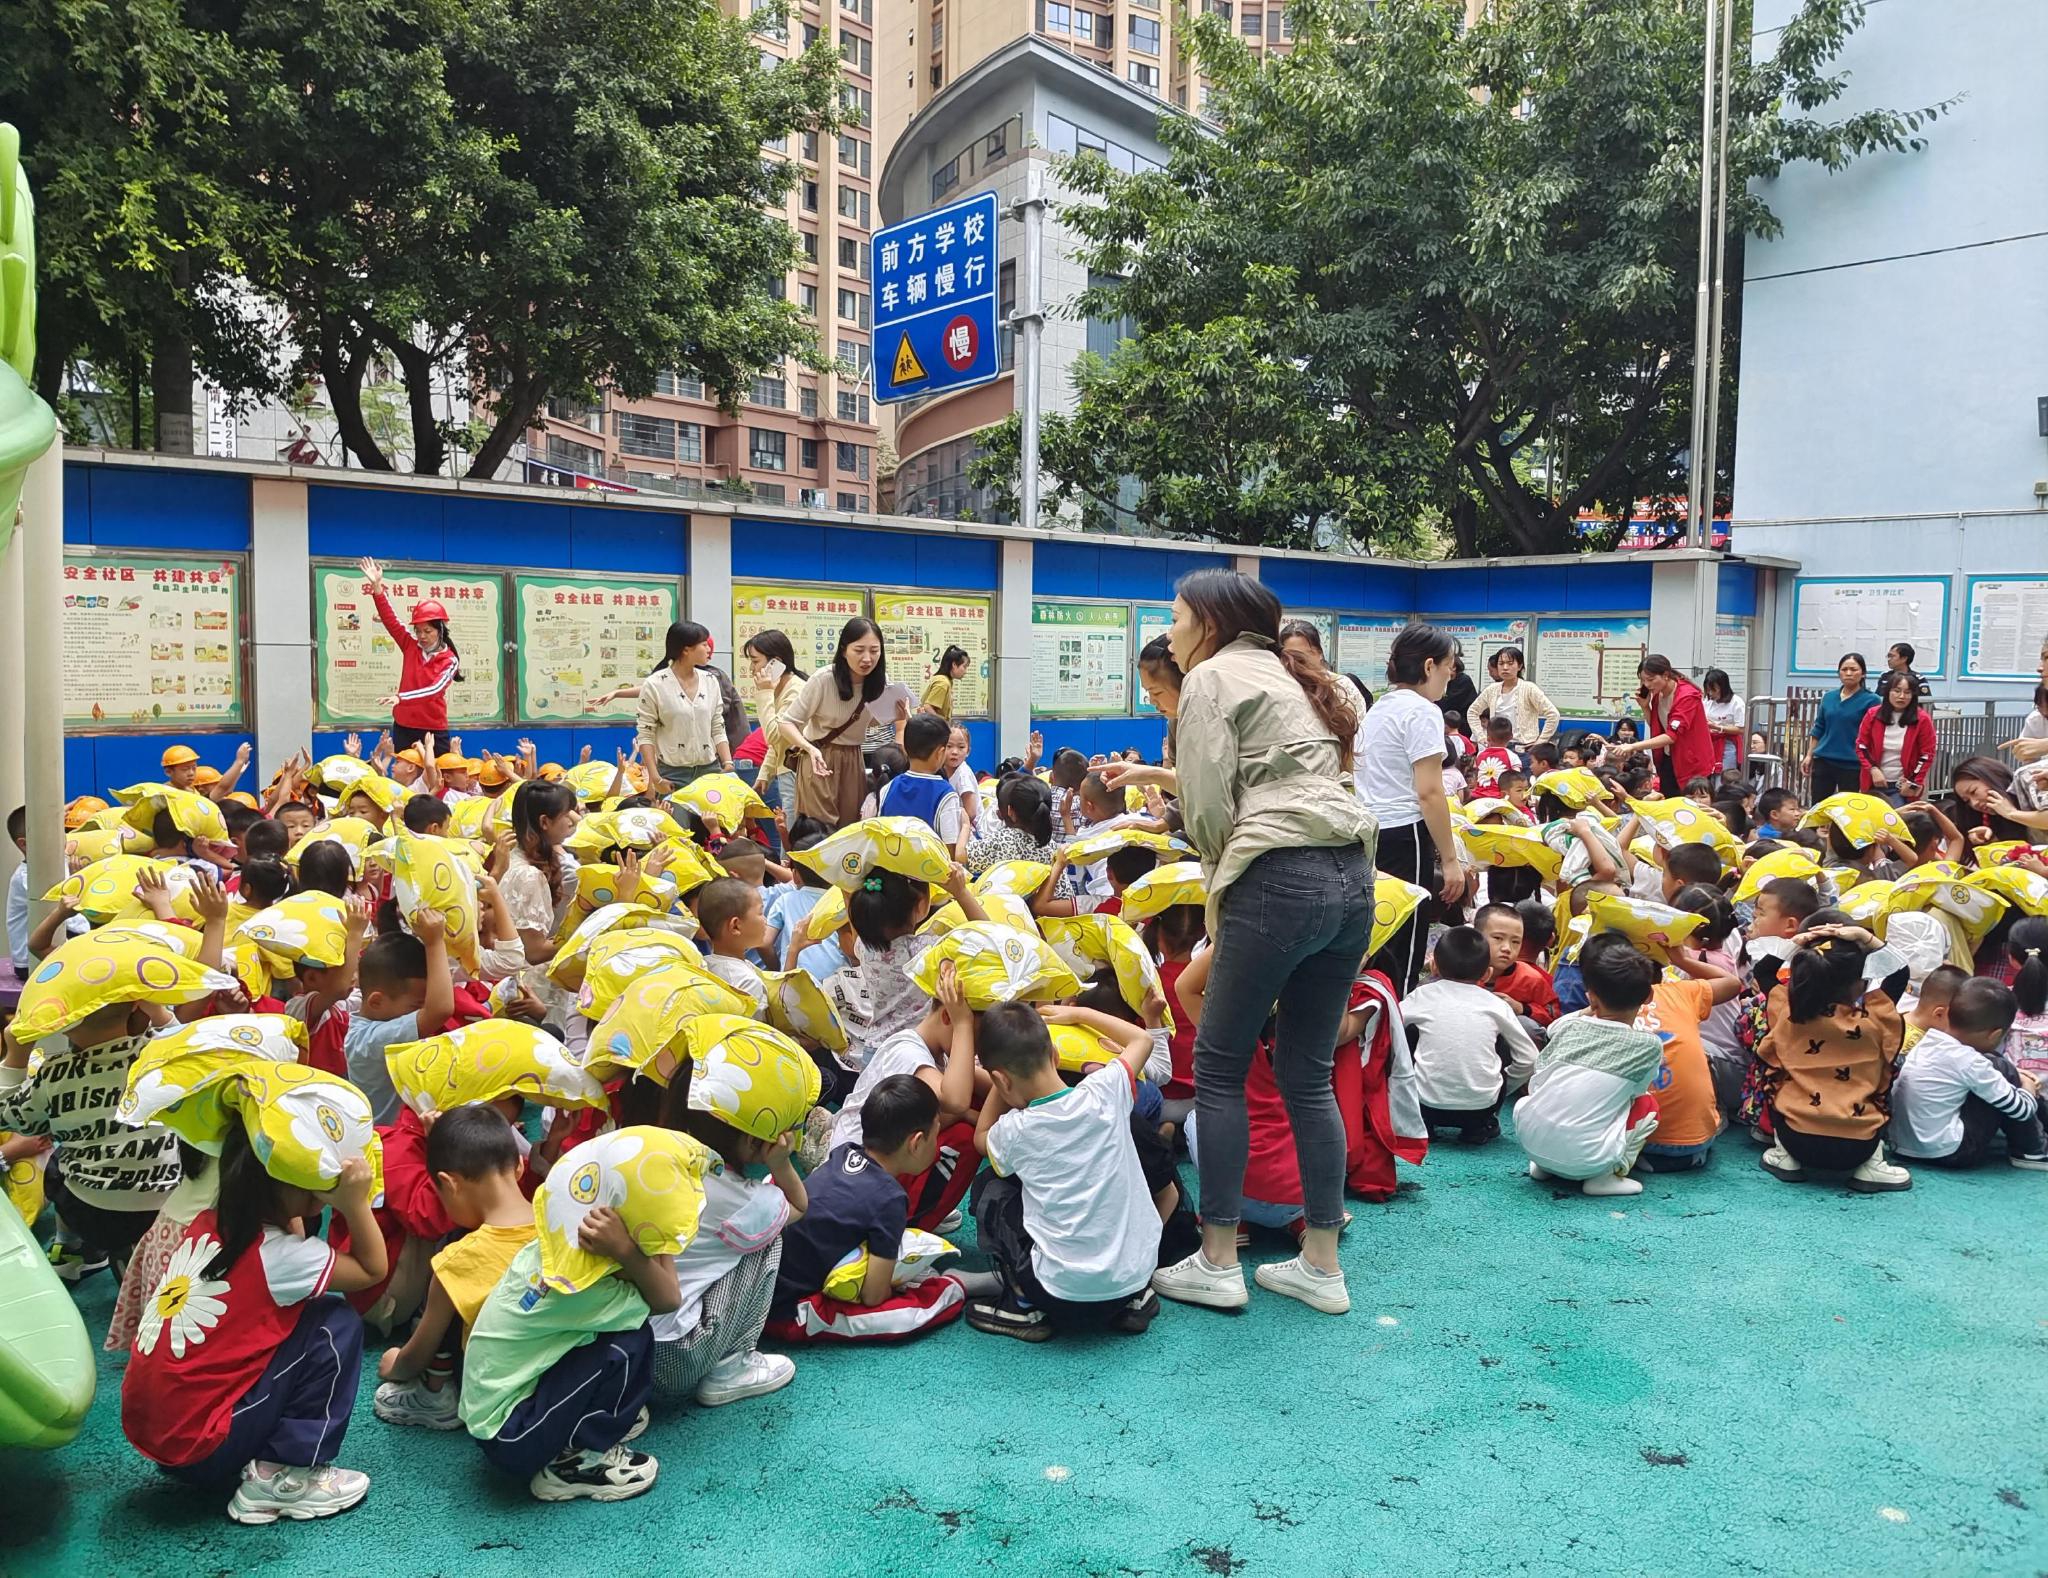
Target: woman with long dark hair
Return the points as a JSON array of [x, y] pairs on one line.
[[1161, 679], [1401, 778], [938, 690], [1980, 803], [776, 681], [429, 664], [680, 723], [1305, 642], [1895, 742], [1264, 745], [822, 725], [1725, 723]]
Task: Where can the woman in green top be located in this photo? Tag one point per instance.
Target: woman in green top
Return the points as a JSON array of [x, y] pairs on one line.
[[938, 690], [1831, 762]]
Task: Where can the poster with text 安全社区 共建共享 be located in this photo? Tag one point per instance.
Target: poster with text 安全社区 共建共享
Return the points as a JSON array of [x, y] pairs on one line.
[[152, 641]]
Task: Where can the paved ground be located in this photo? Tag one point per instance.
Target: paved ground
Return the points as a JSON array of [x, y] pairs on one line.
[[1723, 1375]]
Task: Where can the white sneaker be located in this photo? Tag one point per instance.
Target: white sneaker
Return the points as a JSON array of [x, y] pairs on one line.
[[617, 1475], [951, 1222], [412, 1403], [270, 1491], [1297, 1279], [1878, 1176], [1611, 1183], [1779, 1163], [2032, 1164], [638, 1427], [1539, 1174], [741, 1375], [1196, 1281]]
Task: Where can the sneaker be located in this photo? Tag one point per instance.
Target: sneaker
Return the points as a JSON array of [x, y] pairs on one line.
[[817, 1141], [1297, 1279], [71, 1264], [412, 1403], [1137, 1314], [1778, 1162], [1611, 1184], [638, 1428], [617, 1475], [1878, 1176], [1001, 1318], [270, 1491], [2032, 1164], [1196, 1281], [741, 1375], [1539, 1173], [951, 1222]]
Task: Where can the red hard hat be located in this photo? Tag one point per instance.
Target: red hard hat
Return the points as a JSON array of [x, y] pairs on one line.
[[429, 612]]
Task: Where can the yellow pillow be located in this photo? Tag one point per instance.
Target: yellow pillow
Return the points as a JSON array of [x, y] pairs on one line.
[[643, 1028], [798, 1006], [1002, 909], [653, 1178], [351, 832], [997, 964], [485, 1060], [335, 773], [1076, 1046], [614, 960], [1504, 844], [97, 843], [1575, 787], [1866, 903], [123, 798], [308, 928], [2026, 891], [919, 1253], [174, 1066], [638, 827], [1939, 888], [1863, 818], [92, 972], [386, 794], [723, 798], [565, 969], [1393, 901], [191, 814], [1675, 822], [1792, 862], [302, 1123], [1091, 847], [1654, 928], [749, 1075], [1086, 942], [105, 888], [1020, 878], [591, 780], [902, 844], [1994, 854], [827, 918], [1164, 888]]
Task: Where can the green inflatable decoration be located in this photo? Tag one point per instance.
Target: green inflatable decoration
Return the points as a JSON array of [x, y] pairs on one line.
[[47, 1374]]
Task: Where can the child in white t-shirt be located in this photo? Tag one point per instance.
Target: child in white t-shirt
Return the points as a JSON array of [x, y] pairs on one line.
[[1470, 1048], [1068, 1214]]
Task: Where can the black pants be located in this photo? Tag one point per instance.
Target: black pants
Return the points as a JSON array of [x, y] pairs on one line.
[[404, 737], [1834, 777], [114, 1233], [1410, 854], [1831, 1153], [1982, 1121], [1474, 1128]]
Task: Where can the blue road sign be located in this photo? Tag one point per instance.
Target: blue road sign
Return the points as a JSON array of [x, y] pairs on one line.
[[935, 300]]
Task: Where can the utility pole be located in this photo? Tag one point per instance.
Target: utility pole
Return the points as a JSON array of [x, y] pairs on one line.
[[1029, 321]]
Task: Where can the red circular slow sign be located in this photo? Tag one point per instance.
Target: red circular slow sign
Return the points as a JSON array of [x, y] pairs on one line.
[[960, 343]]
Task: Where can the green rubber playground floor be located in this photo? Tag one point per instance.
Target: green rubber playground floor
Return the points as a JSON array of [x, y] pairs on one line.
[[1724, 1374]]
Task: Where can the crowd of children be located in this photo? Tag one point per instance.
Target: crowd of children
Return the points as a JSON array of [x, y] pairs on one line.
[[575, 1091]]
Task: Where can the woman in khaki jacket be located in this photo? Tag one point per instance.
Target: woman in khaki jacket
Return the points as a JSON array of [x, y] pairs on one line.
[[1263, 746]]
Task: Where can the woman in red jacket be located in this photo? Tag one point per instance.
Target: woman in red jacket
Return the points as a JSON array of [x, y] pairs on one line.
[[1895, 742], [431, 664]]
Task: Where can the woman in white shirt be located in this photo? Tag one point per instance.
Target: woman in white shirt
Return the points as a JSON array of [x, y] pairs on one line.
[[680, 723], [1724, 712], [1518, 700], [1401, 777], [2031, 743]]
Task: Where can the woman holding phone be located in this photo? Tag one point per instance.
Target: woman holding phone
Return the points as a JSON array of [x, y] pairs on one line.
[[777, 679]]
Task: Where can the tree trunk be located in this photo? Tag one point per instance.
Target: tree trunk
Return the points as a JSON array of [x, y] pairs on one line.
[[343, 364], [520, 399], [429, 448], [1465, 526], [170, 387]]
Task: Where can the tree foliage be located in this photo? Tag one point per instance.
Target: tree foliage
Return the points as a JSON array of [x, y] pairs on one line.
[[1410, 251], [515, 199]]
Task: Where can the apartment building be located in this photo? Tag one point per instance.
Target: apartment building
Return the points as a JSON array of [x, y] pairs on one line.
[[800, 437]]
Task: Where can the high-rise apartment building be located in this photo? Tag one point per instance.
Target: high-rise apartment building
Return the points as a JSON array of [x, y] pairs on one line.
[[800, 437]]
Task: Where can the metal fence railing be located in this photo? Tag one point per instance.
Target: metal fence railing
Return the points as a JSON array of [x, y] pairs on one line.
[[1961, 729]]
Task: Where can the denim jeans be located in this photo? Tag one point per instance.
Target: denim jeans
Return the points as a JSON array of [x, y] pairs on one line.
[[1291, 934]]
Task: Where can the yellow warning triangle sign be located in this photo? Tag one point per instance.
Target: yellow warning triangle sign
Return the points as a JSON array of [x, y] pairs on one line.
[[908, 369]]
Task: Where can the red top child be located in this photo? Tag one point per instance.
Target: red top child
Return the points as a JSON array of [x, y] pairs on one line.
[[430, 664]]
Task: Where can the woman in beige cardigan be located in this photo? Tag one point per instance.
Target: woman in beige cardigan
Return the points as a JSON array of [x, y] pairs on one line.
[[1526, 708]]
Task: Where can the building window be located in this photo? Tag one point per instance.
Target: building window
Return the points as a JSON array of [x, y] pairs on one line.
[[854, 154], [853, 307], [1006, 304], [690, 442], [770, 390], [858, 102], [1106, 334], [852, 407], [1144, 76], [1220, 8], [807, 298], [810, 197], [857, 52], [810, 243], [767, 450], [1287, 24], [852, 459], [1249, 24], [1058, 18], [1090, 29], [853, 256], [945, 178], [807, 454], [1145, 34], [1272, 24], [996, 145], [807, 401], [854, 354], [860, 8], [770, 492], [853, 503], [811, 138], [652, 436], [679, 385]]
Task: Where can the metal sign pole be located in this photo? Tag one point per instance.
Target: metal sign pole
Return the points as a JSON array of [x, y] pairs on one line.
[[1029, 320], [1701, 469]]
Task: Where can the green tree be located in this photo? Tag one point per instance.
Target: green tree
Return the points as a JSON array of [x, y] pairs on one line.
[[1411, 250]]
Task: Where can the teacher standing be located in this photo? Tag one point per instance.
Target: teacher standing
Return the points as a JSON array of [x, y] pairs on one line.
[[681, 719], [1831, 760], [1264, 746], [429, 664], [1531, 714], [823, 726]]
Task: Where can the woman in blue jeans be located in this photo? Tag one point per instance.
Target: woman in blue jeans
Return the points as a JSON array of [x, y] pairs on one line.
[[1263, 744]]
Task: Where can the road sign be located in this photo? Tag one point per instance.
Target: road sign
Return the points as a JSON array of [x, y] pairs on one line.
[[935, 300]]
